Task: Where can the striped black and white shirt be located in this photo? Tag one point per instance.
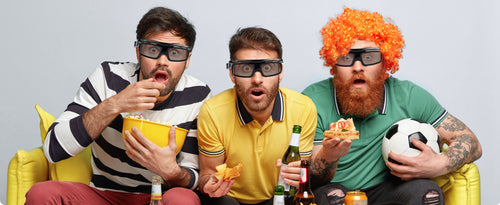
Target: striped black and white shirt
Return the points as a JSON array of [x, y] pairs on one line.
[[112, 168]]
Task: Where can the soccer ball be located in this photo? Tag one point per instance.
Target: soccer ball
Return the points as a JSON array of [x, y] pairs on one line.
[[398, 137]]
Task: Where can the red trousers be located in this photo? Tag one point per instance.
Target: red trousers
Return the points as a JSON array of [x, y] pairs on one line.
[[59, 192]]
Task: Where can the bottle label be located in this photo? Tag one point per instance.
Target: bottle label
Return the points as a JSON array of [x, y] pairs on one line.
[[303, 175], [156, 190], [286, 187], [155, 197], [279, 200], [295, 139]]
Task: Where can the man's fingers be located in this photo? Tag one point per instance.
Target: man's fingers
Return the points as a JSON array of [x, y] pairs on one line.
[[150, 84], [172, 138], [278, 163]]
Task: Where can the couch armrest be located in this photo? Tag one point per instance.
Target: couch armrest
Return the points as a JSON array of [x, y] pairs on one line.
[[461, 186], [25, 169]]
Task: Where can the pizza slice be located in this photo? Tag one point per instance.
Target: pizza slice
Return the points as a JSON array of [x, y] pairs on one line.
[[343, 129]]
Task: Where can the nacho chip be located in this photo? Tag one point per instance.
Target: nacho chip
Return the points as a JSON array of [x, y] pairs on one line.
[[223, 172]]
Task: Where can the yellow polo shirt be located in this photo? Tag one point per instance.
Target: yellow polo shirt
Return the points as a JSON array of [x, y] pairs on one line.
[[226, 128]]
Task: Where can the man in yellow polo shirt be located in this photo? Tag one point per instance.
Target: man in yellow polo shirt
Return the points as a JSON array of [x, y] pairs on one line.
[[252, 124]]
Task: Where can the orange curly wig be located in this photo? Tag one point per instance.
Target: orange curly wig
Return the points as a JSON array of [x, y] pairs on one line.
[[339, 35]]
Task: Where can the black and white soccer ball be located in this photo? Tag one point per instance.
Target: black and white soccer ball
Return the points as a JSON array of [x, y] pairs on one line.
[[398, 137]]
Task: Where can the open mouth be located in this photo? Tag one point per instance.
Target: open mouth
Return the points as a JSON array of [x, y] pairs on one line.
[[359, 81], [257, 93], [161, 77]]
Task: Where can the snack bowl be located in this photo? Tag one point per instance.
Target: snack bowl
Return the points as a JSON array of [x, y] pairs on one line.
[[155, 132]]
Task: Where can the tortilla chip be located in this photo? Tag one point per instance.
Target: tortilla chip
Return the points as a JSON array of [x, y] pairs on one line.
[[223, 172]]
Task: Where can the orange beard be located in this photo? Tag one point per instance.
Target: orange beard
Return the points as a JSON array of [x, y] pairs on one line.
[[359, 102]]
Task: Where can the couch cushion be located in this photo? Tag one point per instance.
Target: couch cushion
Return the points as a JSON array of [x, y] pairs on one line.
[[461, 186], [25, 169], [76, 168], [46, 120]]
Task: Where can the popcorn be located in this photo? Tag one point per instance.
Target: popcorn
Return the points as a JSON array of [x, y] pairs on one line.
[[137, 116], [140, 116]]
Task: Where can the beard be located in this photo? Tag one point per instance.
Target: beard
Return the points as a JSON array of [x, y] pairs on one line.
[[359, 102], [253, 105], [171, 83]]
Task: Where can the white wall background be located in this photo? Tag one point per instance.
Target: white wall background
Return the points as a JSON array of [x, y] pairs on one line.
[[49, 47]]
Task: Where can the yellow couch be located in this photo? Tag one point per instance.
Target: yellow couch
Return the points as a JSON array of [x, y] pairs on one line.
[[29, 167]]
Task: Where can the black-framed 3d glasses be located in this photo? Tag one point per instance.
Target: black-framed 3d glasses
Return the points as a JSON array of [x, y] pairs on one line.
[[154, 49], [246, 68], [367, 56]]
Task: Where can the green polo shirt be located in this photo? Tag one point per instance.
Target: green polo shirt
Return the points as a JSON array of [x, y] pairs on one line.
[[364, 165], [226, 128]]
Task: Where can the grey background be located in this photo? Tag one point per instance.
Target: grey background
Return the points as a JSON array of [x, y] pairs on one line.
[[49, 47]]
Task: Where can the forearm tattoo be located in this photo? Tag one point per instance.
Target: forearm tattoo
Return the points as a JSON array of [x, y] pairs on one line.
[[461, 144], [452, 124], [323, 171]]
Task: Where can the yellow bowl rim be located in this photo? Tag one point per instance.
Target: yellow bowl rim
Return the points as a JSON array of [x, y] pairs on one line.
[[135, 119]]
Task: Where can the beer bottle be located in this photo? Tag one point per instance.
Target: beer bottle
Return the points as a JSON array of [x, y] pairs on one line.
[[156, 191], [304, 195], [291, 154], [279, 198]]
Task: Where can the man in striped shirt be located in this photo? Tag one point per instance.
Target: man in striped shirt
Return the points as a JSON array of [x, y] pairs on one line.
[[155, 87]]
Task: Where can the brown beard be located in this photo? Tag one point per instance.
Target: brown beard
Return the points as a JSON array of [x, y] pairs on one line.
[[359, 102], [256, 106]]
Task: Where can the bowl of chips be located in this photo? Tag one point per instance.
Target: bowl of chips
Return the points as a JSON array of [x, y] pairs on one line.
[[155, 132]]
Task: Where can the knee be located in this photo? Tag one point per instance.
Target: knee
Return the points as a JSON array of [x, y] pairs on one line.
[[433, 197], [179, 195], [330, 194], [429, 192], [41, 192]]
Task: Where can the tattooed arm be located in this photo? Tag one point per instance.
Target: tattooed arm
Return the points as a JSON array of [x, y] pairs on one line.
[[325, 158], [463, 145]]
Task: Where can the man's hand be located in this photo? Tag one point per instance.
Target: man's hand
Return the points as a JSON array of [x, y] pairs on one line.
[[138, 96], [427, 164], [208, 183], [217, 188], [290, 173], [161, 161], [334, 148]]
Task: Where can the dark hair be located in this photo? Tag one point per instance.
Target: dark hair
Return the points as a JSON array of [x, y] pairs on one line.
[[255, 38], [162, 19]]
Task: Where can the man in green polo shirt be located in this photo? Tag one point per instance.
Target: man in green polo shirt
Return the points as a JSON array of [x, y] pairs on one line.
[[252, 124], [361, 48]]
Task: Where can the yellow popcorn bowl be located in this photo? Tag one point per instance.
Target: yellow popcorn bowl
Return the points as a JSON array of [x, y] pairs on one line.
[[155, 132]]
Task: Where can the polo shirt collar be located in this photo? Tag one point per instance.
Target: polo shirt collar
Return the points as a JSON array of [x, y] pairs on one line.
[[277, 114], [381, 110]]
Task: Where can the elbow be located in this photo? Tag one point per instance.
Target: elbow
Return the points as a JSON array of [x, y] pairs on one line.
[[478, 152], [54, 153], [46, 152]]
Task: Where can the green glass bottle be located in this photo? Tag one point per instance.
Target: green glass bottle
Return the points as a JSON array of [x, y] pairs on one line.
[[279, 197], [291, 155]]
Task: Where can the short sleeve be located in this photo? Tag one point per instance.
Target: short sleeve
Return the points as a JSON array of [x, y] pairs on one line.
[[209, 139], [424, 107], [308, 129]]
